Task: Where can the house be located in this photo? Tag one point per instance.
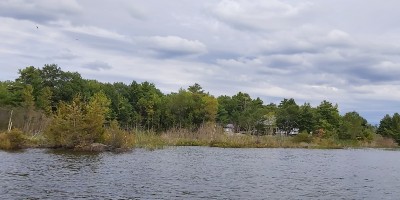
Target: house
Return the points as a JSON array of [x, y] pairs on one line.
[[280, 132], [294, 131], [229, 128], [291, 132]]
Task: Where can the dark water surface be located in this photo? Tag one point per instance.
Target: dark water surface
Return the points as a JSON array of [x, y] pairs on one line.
[[201, 173]]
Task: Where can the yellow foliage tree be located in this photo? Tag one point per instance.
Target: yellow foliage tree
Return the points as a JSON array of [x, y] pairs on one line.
[[79, 123]]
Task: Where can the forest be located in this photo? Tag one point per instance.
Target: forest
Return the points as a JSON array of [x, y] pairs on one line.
[[67, 110]]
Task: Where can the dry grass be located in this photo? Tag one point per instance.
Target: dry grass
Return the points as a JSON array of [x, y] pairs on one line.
[[149, 140], [12, 140], [209, 136], [4, 142], [118, 138], [380, 142]]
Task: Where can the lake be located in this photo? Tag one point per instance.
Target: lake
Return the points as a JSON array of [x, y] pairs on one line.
[[201, 173]]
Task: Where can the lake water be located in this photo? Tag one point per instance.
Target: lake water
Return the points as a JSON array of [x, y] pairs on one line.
[[201, 173]]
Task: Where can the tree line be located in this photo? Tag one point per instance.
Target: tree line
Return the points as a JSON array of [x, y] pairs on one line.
[[143, 106]]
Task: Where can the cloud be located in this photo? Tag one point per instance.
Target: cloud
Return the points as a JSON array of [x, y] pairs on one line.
[[97, 66], [384, 71], [337, 38], [172, 46], [64, 54], [305, 39], [136, 12], [169, 75], [257, 14], [39, 11], [89, 30], [318, 52]]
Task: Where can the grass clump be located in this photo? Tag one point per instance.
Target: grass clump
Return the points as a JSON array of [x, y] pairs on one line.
[[12, 140], [234, 141], [149, 140], [189, 142], [118, 138], [379, 141]]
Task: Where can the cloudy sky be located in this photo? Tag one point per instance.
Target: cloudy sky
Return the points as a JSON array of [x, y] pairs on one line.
[[346, 52]]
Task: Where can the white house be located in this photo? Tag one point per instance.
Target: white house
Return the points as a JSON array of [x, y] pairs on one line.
[[229, 128]]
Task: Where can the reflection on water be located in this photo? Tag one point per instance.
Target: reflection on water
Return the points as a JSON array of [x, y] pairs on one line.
[[201, 173]]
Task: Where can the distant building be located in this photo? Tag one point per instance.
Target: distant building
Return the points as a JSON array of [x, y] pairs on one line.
[[229, 128], [280, 132], [293, 131]]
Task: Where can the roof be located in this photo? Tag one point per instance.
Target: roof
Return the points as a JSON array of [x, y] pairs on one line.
[[229, 126]]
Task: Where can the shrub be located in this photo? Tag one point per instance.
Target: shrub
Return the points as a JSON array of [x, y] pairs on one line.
[[78, 123], [302, 137]]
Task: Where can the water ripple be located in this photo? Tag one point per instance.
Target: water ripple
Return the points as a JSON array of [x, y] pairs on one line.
[[201, 173]]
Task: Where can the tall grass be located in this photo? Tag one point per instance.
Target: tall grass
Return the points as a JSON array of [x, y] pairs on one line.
[[380, 142], [118, 138], [209, 135], [149, 140], [206, 135]]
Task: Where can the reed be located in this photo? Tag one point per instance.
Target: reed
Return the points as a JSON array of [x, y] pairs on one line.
[[116, 137], [380, 142], [149, 140], [207, 135], [183, 137]]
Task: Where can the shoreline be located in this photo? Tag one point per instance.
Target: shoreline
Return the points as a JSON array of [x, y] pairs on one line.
[[152, 140], [79, 151]]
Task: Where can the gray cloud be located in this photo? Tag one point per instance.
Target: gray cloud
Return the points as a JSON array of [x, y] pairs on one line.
[[137, 12], [64, 54], [39, 11], [258, 14], [172, 46], [97, 66]]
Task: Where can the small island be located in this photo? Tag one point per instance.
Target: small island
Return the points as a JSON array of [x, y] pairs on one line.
[[50, 108]]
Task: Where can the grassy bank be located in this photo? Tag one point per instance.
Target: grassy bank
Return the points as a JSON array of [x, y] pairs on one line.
[[208, 136], [112, 139], [203, 137], [268, 141]]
